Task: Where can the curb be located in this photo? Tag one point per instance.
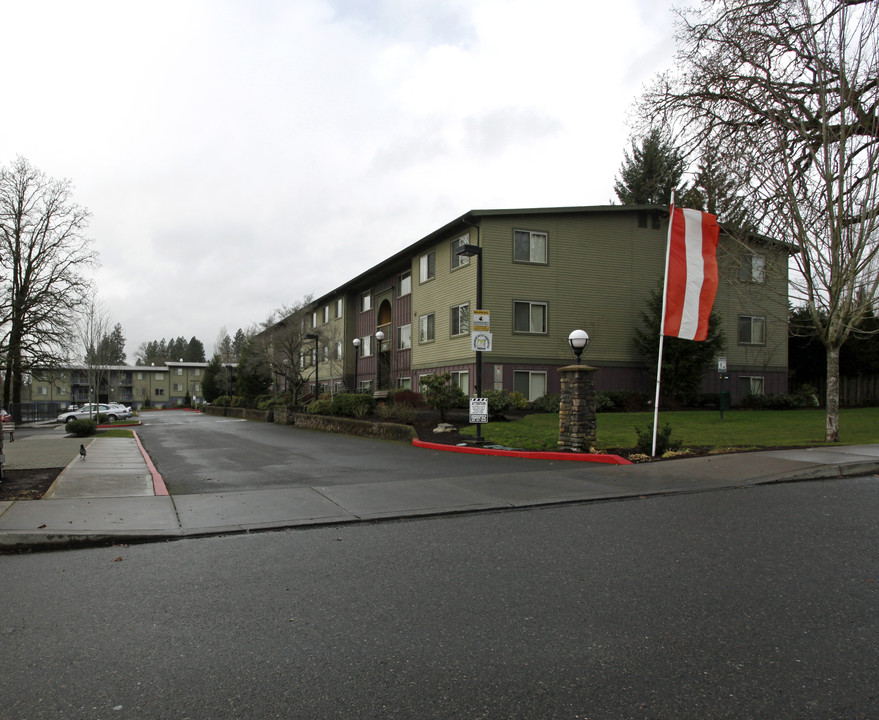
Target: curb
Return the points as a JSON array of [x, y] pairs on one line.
[[527, 454]]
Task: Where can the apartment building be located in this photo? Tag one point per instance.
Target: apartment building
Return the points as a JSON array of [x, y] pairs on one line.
[[545, 272]]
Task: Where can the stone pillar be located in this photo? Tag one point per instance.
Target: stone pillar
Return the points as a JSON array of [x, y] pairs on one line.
[[577, 408]]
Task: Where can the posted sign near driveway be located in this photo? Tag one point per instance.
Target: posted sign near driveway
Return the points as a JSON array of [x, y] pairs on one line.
[[479, 410], [480, 331]]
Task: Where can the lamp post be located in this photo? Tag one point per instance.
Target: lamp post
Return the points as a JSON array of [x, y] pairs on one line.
[[379, 337], [578, 340], [470, 251], [316, 338], [356, 343]]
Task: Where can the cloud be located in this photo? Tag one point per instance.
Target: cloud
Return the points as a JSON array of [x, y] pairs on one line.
[[237, 156]]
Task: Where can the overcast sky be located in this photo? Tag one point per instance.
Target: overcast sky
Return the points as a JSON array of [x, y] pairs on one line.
[[238, 155]]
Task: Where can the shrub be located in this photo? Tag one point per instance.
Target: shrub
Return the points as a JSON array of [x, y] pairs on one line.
[[441, 393], [603, 403], [263, 402], [547, 403], [320, 407], [392, 412], [82, 428], [222, 401], [664, 443], [237, 402], [627, 400], [518, 401], [102, 419], [406, 398], [782, 401], [352, 404], [498, 402]]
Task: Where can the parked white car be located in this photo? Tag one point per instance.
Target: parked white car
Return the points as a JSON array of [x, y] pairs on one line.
[[89, 411]]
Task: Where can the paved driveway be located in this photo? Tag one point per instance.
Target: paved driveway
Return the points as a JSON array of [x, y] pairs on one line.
[[206, 454]]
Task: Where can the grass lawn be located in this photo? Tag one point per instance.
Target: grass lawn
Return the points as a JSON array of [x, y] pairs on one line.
[[738, 429], [115, 433]]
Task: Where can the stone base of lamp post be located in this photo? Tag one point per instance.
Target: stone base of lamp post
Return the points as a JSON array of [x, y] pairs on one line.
[[577, 408]]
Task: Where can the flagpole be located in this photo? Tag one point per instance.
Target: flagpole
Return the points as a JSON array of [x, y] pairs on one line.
[[662, 326]]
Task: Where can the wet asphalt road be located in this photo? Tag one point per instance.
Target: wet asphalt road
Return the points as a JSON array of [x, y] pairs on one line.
[[749, 603], [198, 453]]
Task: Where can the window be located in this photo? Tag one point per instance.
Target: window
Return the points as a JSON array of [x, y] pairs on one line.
[[405, 284], [366, 301], [160, 391], [366, 346], [178, 387], [750, 385], [314, 319], [427, 264], [338, 308], [529, 246], [753, 269], [531, 384], [404, 383], [461, 378], [460, 321], [326, 314], [365, 385], [325, 354], [42, 390], [404, 337], [339, 350], [139, 376], [457, 244], [179, 371], [426, 328], [196, 372], [529, 317], [752, 330], [160, 377]]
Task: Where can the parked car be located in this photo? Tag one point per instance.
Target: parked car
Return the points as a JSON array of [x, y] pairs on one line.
[[90, 411]]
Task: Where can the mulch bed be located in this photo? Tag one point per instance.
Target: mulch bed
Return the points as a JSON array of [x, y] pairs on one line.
[[27, 484]]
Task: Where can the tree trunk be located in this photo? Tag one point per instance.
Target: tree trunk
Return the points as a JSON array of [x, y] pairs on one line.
[[832, 431]]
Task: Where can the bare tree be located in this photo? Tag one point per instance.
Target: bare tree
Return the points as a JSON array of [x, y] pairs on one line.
[[786, 92], [94, 327], [43, 254], [289, 351]]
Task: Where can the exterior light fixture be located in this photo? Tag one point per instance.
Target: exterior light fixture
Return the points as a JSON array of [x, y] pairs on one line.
[[379, 337], [356, 342], [578, 340]]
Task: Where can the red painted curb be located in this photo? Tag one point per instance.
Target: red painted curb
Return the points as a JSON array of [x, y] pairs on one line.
[[528, 454], [158, 483]]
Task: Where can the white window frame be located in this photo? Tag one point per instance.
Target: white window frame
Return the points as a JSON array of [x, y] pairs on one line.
[[753, 269], [532, 374], [366, 346], [404, 337], [533, 235], [426, 328], [366, 301], [338, 350], [755, 321], [427, 267], [326, 314], [457, 244], [755, 382], [461, 378], [531, 305], [459, 320], [404, 383], [404, 285], [340, 304]]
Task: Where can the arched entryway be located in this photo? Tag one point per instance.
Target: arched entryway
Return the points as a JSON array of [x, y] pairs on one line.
[[383, 380]]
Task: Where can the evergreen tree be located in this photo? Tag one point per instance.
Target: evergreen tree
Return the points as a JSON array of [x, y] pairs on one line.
[[214, 382], [684, 362], [650, 172], [194, 351]]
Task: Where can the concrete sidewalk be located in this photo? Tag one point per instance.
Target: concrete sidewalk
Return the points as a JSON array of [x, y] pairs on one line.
[[115, 495]]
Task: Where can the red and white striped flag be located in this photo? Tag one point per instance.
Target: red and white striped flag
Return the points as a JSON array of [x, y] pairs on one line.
[[691, 283]]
